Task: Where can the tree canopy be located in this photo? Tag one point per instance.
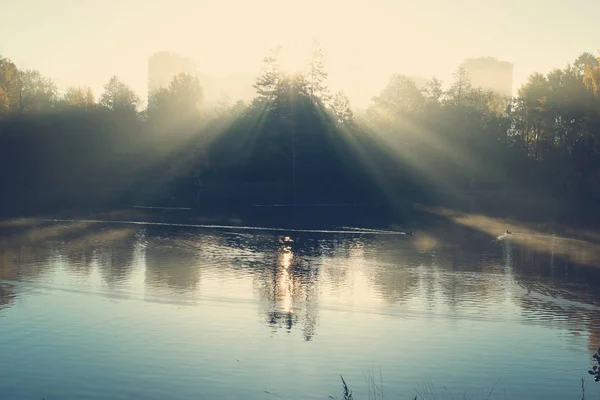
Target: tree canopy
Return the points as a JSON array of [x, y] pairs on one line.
[[309, 142]]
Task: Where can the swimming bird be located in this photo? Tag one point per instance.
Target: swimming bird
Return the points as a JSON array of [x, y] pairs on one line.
[[508, 232], [409, 233]]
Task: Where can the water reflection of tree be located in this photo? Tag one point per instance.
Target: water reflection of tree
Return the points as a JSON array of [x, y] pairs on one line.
[[172, 263], [285, 271], [475, 276], [110, 247], [290, 275], [22, 258], [449, 272], [287, 284], [115, 260], [289, 281], [339, 266], [23, 262], [558, 292], [8, 294], [79, 260]]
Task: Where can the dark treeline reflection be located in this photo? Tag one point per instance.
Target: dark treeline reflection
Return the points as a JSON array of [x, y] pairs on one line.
[[448, 270], [558, 292], [296, 141], [466, 277], [173, 264]]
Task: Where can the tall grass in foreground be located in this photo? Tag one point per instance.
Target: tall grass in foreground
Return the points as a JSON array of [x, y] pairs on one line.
[[428, 391]]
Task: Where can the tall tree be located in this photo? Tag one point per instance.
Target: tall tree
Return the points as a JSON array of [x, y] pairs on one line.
[[434, 91], [584, 62], [400, 99], [4, 103], [79, 97], [226, 109], [117, 96], [279, 93], [592, 76], [317, 76], [461, 87], [340, 107], [10, 83], [186, 95], [271, 75], [39, 93], [178, 104]]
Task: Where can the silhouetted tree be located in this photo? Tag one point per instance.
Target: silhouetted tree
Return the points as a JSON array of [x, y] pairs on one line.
[[117, 96], [317, 76], [4, 102], [434, 92], [595, 371], [459, 91], [401, 98], [268, 81], [10, 85], [78, 97], [340, 107], [296, 141], [38, 92], [178, 104]]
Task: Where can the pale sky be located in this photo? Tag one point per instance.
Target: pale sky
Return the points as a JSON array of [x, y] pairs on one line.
[[84, 42]]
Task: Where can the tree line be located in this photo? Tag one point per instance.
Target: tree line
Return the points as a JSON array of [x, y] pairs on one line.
[[296, 141]]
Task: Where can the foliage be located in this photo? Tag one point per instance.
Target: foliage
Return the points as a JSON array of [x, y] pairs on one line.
[[118, 97], [346, 392], [341, 109], [415, 139], [78, 97], [10, 83], [4, 102], [38, 92], [595, 371], [317, 75]]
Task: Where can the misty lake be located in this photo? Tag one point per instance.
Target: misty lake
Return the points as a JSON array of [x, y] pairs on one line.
[[95, 310]]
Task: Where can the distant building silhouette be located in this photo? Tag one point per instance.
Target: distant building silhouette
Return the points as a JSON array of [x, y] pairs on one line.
[[489, 73], [163, 66]]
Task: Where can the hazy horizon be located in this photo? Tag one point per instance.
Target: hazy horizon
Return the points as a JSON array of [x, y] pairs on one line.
[[85, 43]]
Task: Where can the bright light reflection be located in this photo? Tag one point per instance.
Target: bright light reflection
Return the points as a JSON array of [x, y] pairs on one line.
[[285, 282]]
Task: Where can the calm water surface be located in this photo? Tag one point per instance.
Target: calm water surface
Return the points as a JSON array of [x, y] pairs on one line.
[[123, 311]]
